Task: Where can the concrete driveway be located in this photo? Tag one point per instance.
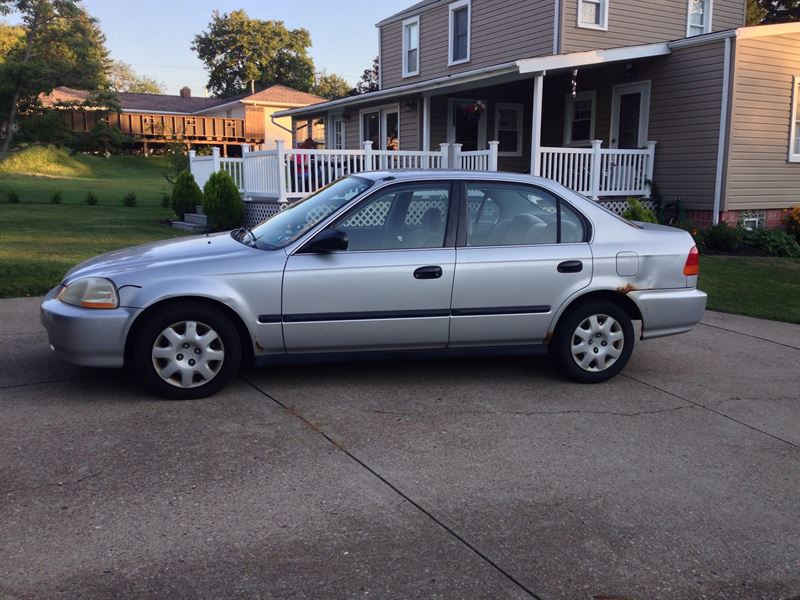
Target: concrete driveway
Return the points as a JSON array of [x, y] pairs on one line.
[[488, 478]]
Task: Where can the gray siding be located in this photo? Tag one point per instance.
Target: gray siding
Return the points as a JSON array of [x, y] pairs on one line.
[[633, 22], [502, 31], [759, 174], [410, 132]]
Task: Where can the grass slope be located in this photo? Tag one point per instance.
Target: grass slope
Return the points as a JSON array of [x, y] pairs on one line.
[[40, 241]]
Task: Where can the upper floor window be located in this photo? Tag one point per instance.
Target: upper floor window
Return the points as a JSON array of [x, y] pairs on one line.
[[460, 18], [699, 21], [794, 130], [411, 47], [579, 121], [593, 14]]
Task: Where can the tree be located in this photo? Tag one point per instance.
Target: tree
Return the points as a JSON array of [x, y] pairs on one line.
[[11, 36], [122, 78], [331, 87], [772, 11], [62, 45], [238, 50], [370, 79]]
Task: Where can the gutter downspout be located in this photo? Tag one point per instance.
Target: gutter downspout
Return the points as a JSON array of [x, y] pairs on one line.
[[723, 131], [557, 28], [278, 125]]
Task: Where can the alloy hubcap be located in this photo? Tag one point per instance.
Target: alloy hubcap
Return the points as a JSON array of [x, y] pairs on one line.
[[188, 354], [597, 343]]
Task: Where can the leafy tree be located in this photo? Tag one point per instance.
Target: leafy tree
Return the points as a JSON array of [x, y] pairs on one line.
[[772, 11], [122, 78], [222, 202], [62, 45], [370, 79], [11, 36], [238, 50], [331, 87]]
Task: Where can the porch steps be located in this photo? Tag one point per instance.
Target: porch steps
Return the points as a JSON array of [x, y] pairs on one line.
[[194, 222]]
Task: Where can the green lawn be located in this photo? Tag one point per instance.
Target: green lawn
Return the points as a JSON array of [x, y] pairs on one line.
[[40, 241], [767, 288]]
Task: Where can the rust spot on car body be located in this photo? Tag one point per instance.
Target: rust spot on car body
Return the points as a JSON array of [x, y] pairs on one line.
[[627, 288], [259, 347]]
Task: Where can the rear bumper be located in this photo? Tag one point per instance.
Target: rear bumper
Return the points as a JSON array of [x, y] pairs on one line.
[[667, 312], [86, 337]]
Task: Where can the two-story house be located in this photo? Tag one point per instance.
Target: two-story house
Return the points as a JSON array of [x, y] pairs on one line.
[[720, 101]]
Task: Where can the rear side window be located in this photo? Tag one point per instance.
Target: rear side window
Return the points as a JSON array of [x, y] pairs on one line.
[[507, 214]]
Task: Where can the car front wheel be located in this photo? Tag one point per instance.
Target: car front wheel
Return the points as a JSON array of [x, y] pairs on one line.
[[593, 342], [187, 352]]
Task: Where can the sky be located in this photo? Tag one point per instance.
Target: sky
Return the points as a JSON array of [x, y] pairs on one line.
[[155, 36]]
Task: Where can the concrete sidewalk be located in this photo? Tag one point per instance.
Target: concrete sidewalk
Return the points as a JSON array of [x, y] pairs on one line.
[[478, 478]]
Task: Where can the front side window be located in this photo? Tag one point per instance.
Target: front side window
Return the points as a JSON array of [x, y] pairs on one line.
[[593, 14], [509, 214], [411, 47], [699, 17], [579, 121], [402, 217], [371, 128], [460, 18], [794, 129], [508, 129]]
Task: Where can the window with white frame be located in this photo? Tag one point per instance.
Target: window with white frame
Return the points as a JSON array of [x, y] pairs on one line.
[[339, 131], [460, 18], [699, 20], [411, 47], [579, 118], [508, 128], [593, 14], [794, 129]]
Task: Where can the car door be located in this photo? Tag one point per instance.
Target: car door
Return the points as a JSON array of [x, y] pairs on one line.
[[390, 290], [522, 252]]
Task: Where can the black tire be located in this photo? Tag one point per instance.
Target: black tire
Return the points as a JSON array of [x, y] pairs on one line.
[[207, 319], [561, 346]]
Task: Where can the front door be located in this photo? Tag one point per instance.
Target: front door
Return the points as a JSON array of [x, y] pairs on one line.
[[390, 290], [467, 124], [630, 115]]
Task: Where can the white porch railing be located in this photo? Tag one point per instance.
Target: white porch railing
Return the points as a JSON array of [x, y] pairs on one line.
[[291, 173], [597, 172]]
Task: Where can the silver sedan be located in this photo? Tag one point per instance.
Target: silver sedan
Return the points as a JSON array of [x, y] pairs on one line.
[[433, 262]]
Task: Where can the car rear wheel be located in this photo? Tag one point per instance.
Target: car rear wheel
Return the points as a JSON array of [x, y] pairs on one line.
[[593, 342], [187, 352]]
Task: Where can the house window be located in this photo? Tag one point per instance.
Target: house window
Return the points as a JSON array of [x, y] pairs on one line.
[[381, 126], [508, 129], [699, 21], [459, 32], [794, 128], [579, 119], [593, 14], [411, 47], [339, 134]]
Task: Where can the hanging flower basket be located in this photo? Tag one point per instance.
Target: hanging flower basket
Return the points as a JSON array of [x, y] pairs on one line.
[[475, 109]]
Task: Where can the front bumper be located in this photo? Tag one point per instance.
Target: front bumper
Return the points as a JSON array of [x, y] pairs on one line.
[[84, 336], [667, 312]]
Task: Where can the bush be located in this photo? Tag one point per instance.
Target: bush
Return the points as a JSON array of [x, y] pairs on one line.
[[129, 200], [186, 194], [56, 197], [91, 199], [637, 212], [13, 197], [165, 200], [222, 202], [792, 222], [772, 241], [722, 237]]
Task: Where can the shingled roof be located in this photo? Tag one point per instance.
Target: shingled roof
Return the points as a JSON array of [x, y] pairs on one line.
[[282, 94]]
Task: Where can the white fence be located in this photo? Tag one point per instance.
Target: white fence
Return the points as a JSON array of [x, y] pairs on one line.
[[598, 172]]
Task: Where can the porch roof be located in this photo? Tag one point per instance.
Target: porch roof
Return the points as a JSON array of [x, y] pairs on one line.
[[524, 67]]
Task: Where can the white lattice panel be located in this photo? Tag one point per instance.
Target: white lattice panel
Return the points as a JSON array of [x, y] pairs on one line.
[[258, 212], [620, 206]]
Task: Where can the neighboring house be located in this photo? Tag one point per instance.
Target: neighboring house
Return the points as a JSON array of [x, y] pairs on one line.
[[546, 77], [154, 119]]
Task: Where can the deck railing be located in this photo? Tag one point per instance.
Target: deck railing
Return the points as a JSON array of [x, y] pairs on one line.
[[598, 172]]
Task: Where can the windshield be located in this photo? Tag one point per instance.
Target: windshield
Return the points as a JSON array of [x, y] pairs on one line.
[[288, 225]]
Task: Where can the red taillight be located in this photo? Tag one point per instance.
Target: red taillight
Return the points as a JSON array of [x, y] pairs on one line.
[[692, 266]]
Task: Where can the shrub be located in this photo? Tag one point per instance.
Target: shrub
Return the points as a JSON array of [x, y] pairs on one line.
[[165, 200], [129, 200], [222, 202], [56, 197], [13, 197], [772, 241], [91, 198], [792, 222], [722, 237], [186, 194], [637, 212]]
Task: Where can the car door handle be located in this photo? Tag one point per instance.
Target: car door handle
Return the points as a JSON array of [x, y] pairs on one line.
[[570, 266], [428, 273]]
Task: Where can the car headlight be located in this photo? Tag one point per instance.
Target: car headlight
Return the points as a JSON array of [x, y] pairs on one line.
[[92, 292]]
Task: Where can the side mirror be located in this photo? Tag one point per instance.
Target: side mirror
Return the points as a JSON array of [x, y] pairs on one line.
[[327, 241]]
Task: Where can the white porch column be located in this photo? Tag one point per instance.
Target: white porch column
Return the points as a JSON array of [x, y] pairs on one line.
[[493, 146], [651, 163], [455, 156], [280, 162], [426, 123], [245, 151], [368, 156], [536, 127], [445, 150], [215, 161], [597, 164]]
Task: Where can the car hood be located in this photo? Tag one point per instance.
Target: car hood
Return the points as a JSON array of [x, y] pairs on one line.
[[167, 253]]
